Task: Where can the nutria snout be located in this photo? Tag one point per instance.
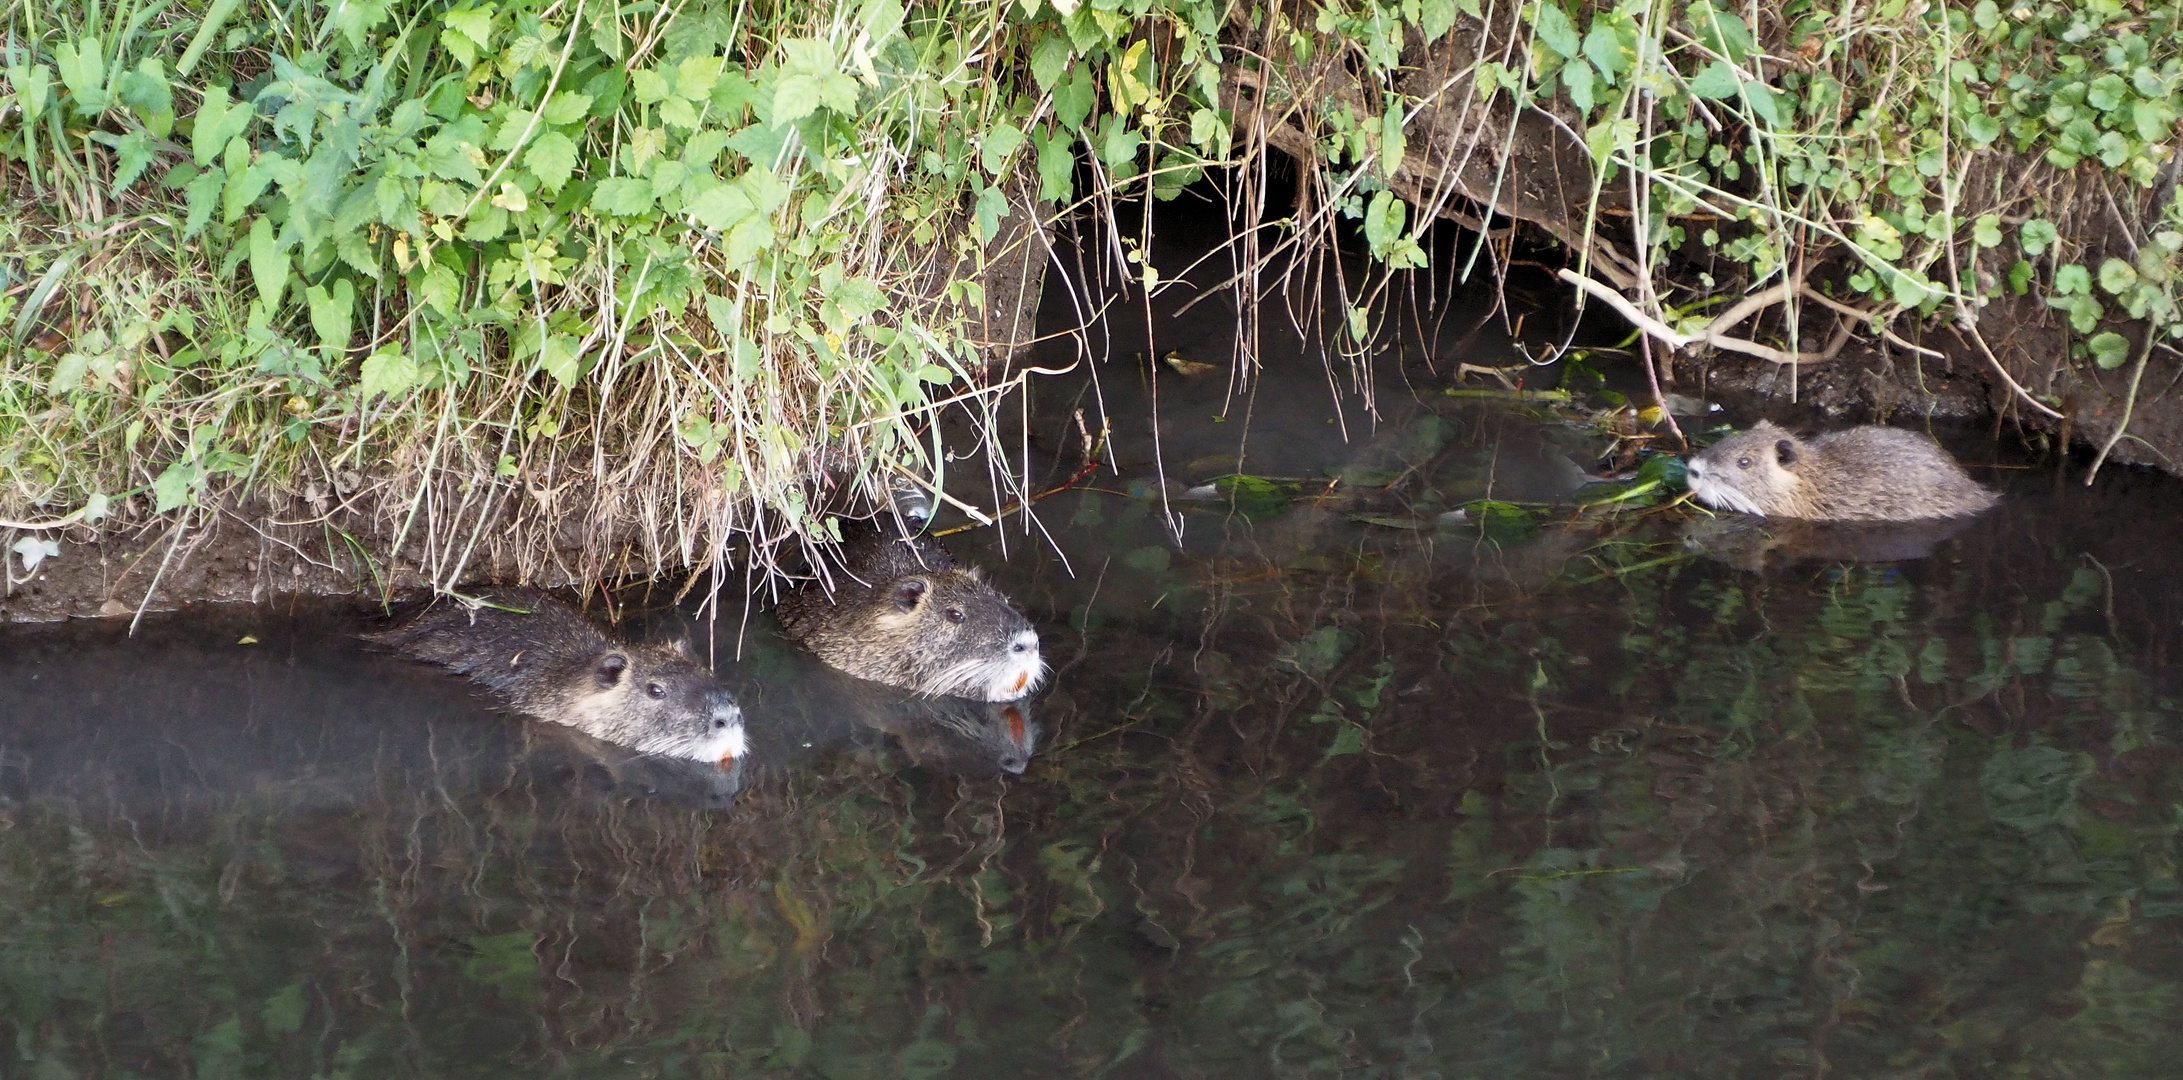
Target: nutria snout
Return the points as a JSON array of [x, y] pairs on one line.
[[546, 659], [904, 614], [1869, 473]]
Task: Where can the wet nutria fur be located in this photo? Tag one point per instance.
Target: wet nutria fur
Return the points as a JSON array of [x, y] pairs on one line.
[[904, 614], [1863, 474], [548, 660]]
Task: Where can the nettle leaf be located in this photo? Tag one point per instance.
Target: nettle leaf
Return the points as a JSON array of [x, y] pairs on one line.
[[551, 158], [146, 93], [649, 86], [388, 371], [201, 196], [132, 153]]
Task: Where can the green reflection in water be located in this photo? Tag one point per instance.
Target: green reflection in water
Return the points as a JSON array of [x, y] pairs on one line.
[[1380, 814]]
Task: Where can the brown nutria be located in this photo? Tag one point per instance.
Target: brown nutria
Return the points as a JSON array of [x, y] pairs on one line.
[[904, 614], [1867, 473], [548, 660]]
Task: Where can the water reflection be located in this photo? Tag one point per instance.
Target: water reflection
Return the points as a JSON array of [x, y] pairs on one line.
[[1313, 794]]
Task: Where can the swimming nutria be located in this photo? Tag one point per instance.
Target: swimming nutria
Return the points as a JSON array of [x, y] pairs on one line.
[[1867, 473], [547, 659], [903, 613]]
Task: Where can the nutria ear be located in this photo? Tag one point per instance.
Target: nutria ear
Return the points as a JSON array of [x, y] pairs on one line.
[[975, 573], [686, 649], [610, 669], [910, 590], [1785, 452]]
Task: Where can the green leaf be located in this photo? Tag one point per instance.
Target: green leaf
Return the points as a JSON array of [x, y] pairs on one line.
[[1982, 129], [1073, 101], [623, 196], [1986, 231], [551, 158], [2020, 275], [83, 71], [132, 152], [1056, 167], [2107, 93], [992, 207], [1722, 32], [268, 262], [935, 374], [1435, 18], [1608, 50], [201, 196], [2117, 276], [1348, 740], [1254, 498], [1555, 30], [33, 88], [216, 123], [567, 107], [999, 144], [172, 489], [1050, 60], [388, 371], [1576, 80], [2072, 280], [557, 356], [1119, 148], [2036, 236], [1383, 221], [330, 313], [1717, 81], [2109, 349]]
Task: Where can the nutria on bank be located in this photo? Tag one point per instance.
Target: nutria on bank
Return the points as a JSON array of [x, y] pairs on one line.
[[1869, 473], [902, 612], [545, 658]]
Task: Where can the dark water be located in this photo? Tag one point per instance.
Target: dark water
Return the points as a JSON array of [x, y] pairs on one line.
[[1336, 785]]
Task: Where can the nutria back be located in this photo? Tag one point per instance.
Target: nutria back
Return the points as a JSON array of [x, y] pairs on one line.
[[1869, 473], [545, 658], [903, 613]]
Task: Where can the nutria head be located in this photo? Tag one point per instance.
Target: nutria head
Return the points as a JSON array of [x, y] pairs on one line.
[[657, 699], [1752, 472], [952, 634]]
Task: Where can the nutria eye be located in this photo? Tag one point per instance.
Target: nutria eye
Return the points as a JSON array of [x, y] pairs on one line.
[[1743, 463], [1019, 647], [954, 614], [656, 690]]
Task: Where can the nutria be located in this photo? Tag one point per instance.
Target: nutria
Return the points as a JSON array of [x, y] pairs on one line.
[[548, 660], [902, 613], [1863, 474]]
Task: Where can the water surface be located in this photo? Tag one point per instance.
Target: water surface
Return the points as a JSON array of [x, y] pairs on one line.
[[1335, 784]]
